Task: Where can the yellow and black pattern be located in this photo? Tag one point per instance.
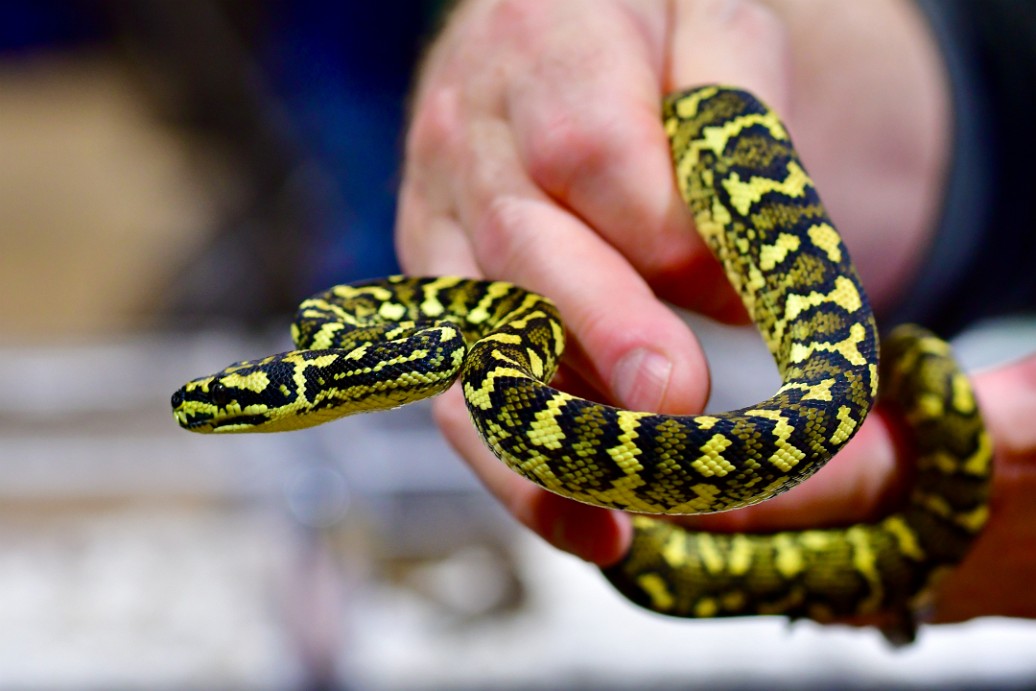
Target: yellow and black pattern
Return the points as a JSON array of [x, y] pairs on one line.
[[374, 346], [889, 566], [760, 214], [389, 341]]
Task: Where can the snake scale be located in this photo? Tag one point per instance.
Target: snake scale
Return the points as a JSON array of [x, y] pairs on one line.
[[387, 342]]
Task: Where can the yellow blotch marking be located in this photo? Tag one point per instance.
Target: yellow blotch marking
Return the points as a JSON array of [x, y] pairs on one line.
[[624, 454], [787, 455], [943, 461], [626, 451], [849, 349], [655, 587], [479, 397], [973, 520], [865, 562], [302, 364], [934, 504], [772, 255], [715, 138], [706, 607], [480, 312], [358, 352], [432, 307], [963, 400], [788, 560], [711, 557], [524, 321], [846, 425], [815, 540], [712, 462], [844, 294], [348, 292], [821, 391], [930, 406], [323, 337], [195, 408], [535, 363], [740, 560], [706, 422], [505, 338], [255, 382], [559, 337], [978, 462], [674, 551], [826, 238], [545, 430], [904, 536], [687, 106], [391, 311], [415, 355], [745, 194]]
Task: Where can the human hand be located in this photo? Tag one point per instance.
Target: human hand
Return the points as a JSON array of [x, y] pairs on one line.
[[536, 155]]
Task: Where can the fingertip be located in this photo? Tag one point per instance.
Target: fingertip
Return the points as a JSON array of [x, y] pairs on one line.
[[652, 360], [743, 43], [641, 378]]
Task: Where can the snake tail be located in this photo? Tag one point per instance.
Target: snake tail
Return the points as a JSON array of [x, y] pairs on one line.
[[891, 565]]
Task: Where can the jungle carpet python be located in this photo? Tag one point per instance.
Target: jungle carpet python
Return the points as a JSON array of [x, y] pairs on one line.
[[387, 342]]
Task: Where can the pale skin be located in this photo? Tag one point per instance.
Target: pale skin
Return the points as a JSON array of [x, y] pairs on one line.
[[535, 155]]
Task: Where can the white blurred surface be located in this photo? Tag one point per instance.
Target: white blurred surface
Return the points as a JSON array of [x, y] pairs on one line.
[[358, 555]]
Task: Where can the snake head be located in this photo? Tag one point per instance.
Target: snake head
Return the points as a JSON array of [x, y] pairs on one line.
[[248, 396]]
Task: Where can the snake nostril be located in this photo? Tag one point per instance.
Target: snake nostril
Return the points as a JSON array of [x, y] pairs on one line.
[[178, 398]]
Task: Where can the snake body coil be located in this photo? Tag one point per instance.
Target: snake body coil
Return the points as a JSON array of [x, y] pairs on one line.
[[387, 342]]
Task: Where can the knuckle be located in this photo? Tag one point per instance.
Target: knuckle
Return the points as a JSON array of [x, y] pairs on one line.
[[409, 219], [757, 24], [754, 18], [502, 235], [563, 146], [436, 124]]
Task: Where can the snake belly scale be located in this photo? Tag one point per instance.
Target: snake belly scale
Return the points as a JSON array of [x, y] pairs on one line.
[[383, 343]]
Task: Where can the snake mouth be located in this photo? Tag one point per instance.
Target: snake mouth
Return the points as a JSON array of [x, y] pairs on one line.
[[194, 423], [208, 423]]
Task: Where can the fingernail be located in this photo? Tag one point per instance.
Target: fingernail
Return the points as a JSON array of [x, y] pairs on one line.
[[640, 379]]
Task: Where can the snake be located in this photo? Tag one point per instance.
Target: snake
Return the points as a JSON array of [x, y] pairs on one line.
[[386, 342]]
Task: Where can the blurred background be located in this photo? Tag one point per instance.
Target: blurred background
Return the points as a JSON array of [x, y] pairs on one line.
[[176, 177]]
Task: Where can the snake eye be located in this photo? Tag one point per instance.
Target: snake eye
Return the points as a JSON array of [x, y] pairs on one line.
[[178, 398], [219, 394]]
